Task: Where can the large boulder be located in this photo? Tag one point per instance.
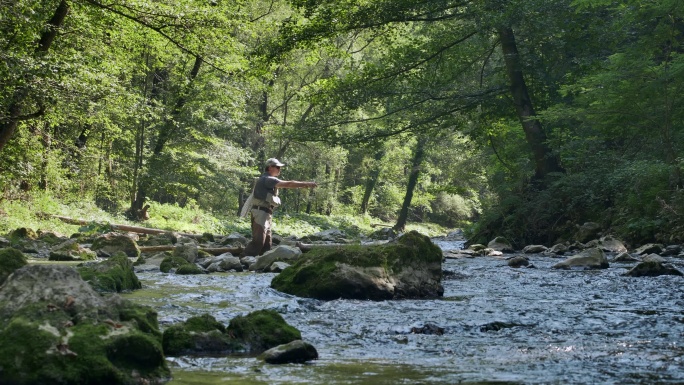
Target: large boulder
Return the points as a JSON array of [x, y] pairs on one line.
[[409, 267], [611, 245], [187, 250], [587, 232], [56, 329], [593, 258], [287, 254], [204, 336], [500, 244], [24, 239], [10, 260], [112, 275], [109, 244]]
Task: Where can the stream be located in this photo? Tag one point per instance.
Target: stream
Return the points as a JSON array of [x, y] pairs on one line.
[[500, 326]]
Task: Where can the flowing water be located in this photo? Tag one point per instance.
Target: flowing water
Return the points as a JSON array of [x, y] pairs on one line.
[[500, 325]]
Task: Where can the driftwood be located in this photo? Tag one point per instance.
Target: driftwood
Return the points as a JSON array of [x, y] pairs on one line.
[[133, 229]]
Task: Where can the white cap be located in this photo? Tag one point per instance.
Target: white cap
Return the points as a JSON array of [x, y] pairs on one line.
[[274, 162]]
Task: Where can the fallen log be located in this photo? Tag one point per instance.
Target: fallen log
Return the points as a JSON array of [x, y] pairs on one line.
[[132, 229], [210, 250], [304, 247]]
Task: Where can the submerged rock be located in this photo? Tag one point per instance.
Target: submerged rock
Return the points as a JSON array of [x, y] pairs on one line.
[[588, 259], [55, 328], [410, 267], [293, 352]]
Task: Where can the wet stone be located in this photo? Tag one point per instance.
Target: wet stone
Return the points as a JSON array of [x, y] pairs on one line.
[[294, 352]]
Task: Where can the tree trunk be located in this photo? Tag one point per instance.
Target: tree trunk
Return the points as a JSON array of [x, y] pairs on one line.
[[372, 181], [418, 157], [166, 132], [15, 110], [167, 128], [545, 161]]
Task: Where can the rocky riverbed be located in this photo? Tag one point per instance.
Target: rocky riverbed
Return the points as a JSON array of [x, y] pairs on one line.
[[495, 323]]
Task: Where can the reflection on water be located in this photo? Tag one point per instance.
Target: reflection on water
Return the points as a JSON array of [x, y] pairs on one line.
[[501, 325]]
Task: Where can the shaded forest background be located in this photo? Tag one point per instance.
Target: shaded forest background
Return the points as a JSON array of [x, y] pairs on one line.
[[516, 118]]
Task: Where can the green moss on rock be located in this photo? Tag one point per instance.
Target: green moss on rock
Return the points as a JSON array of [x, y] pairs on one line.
[[172, 262], [10, 260], [189, 269], [205, 336], [23, 233], [407, 267], [113, 275], [204, 323], [201, 335], [70, 334], [262, 330]]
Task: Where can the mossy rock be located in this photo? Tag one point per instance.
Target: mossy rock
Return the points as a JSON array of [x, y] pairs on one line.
[[409, 267], [71, 250], [55, 329], [172, 262], [10, 260], [261, 330], [50, 238], [205, 336], [23, 233], [113, 275], [109, 244], [190, 269], [199, 336]]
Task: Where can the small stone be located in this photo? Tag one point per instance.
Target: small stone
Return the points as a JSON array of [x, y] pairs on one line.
[[296, 351]]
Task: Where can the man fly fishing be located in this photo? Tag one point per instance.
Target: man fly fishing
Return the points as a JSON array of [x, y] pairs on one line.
[[265, 199]]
